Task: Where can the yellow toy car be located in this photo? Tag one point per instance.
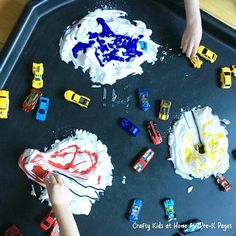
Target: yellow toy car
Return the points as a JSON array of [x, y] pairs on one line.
[[196, 61], [80, 100], [164, 110], [225, 77], [207, 54], [38, 71], [4, 104], [233, 70]]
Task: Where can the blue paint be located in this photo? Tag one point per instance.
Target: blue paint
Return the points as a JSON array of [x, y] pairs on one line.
[[121, 48], [81, 47]]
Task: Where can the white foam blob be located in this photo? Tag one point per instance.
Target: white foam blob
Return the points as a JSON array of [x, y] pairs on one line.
[[189, 162], [112, 70], [83, 163]]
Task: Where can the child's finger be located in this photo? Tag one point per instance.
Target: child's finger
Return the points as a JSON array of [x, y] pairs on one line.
[[52, 179], [194, 51], [46, 181], [59, 179]]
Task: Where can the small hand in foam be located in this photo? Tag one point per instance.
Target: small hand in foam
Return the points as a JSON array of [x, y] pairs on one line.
[[59, 196], [57, 190]]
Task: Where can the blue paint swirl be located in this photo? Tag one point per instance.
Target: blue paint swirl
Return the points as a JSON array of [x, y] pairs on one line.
[[120, 47]]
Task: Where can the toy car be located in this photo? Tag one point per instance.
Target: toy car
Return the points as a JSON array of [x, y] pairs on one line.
[[48, 221], [154, 133], [38, 71], [223, 182], [4, 104], [80, 100], [31, 100], [225, 77], [12, 231], [196, 61], [164, 110], [169, 209], [193, 226], [135, 210], [233, 70], [143, 99], [42, 111], [207, 54], [129, 127], [55, 230], [145, 158], [143, 45]]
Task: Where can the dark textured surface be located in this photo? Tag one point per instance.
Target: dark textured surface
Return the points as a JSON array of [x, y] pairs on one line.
[[173, 79]]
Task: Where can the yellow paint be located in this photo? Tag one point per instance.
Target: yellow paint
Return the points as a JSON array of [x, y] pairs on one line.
[[211, 147], [209, 122]]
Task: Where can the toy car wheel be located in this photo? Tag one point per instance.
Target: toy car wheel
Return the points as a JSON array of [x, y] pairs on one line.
[[167, 217]]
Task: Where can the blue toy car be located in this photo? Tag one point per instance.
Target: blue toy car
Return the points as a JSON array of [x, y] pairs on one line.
[[135, 210], [193, 226], [129, 127], [143, 99], [169, 209], [42, 111], [143, 45]]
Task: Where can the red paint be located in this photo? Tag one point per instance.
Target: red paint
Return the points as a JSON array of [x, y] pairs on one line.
[[93, 159], [99, 179], [40, 171], [41, 166]]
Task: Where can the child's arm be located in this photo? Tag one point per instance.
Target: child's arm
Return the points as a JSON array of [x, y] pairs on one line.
[[58, 193], [193, 31]]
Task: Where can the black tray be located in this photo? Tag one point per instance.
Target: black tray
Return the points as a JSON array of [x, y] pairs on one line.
[[36, 38]]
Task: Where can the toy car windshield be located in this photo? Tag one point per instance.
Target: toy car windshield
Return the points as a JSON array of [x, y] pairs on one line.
[[42, 100], [41, 111], [164, 110], [204, 51]]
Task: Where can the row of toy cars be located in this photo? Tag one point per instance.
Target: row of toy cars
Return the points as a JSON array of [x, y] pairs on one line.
[[148, 155], [49, 222], [168, 204], [154, 134], [35, 95], [32, 99], [226, 73], [205, 53]]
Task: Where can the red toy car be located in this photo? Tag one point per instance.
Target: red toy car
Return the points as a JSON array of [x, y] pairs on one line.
[[48, 221], [31, 100], [223, 182], [55, 230], [12, 231], [142, 162], [154, 133]]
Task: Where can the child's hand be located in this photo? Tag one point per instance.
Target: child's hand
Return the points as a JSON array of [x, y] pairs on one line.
[[57, 190], [191, 39], [193, 31]]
